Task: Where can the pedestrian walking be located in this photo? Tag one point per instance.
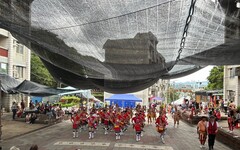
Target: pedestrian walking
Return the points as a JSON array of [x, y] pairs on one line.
[[202, 131], [176, 116], [14, 110], [225, 105], [149, 116], [230, 123], [212, 129]]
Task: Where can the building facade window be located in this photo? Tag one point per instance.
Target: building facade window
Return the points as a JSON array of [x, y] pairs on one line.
[[3, 68], [231, 95], [232, 72], [19, 47], [18, 72]]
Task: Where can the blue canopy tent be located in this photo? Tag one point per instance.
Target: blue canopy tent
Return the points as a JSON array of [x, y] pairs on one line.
[[124, 100]]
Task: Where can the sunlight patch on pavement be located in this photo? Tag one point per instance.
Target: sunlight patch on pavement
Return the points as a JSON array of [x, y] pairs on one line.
[[82, 143], [138, 146]]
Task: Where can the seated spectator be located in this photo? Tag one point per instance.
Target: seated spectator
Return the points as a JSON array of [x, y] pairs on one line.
[[231, 106], [211, 112], [217, 114], [19, 113], [193, 109], [60, 113], [27, 119], [237, 118], [33, 117], [205, 109], [31, 105]]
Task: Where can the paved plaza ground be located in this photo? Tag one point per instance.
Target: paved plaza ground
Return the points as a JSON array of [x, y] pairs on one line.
[[59, 137]]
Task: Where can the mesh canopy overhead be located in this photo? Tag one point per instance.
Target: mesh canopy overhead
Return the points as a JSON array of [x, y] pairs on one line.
[[124, 46]]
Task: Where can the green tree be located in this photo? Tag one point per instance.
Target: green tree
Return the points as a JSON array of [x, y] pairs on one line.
[[172, 95], [39, 72], [215, 78]]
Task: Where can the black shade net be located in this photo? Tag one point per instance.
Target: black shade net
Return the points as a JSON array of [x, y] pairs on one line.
[[11, 85], [125, 46]]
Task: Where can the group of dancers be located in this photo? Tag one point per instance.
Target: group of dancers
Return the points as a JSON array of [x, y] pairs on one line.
[[115, 119]]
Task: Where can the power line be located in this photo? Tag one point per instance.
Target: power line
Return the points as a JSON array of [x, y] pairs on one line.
[[111, 17]]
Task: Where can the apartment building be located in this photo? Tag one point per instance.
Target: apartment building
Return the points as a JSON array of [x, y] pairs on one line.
[[231, 87], [14, 61]]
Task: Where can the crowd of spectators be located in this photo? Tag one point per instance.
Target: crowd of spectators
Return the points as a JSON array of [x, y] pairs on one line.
[[209, 109], [32, 112]]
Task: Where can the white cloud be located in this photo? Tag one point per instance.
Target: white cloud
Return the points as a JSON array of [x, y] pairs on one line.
[[200, 75]]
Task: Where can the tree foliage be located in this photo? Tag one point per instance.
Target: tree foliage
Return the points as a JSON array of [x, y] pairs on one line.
[[172, 95], [39, 72], [215, 78]]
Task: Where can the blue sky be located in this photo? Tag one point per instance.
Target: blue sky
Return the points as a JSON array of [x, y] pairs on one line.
[[200, 75]]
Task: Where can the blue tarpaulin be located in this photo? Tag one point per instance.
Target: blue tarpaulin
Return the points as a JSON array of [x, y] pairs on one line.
[[36, 99], [123, 100]]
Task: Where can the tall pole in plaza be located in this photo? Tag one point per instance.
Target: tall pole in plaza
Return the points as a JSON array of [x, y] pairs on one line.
[[0, 115], [88, 105]]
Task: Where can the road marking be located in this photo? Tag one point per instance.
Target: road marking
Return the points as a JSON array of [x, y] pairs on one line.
[[139, 146], [82, 143]]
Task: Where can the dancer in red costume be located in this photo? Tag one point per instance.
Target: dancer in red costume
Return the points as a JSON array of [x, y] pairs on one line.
[[75, 123], [91, 125], [117, 128], [161, 124]]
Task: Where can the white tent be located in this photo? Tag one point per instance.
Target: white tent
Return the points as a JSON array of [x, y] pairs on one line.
[[180, 100], [85, 93], [68, 88]]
